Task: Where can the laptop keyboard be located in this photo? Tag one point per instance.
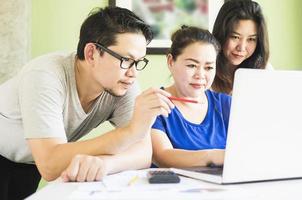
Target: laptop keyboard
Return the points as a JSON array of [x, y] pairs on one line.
[[213, 171]]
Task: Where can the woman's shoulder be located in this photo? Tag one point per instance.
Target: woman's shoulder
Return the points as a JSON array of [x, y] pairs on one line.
[[217, 95], [220, 101]]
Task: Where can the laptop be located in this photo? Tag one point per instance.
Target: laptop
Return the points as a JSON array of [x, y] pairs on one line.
[[265, 130]]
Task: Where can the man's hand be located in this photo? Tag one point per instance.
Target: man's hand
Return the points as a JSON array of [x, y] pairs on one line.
[[148, 105], [85, 168]]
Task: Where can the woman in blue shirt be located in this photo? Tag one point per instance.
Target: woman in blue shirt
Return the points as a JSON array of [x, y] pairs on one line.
[[194, 134]]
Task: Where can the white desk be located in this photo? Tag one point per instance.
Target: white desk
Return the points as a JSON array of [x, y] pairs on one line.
[[186, 189]]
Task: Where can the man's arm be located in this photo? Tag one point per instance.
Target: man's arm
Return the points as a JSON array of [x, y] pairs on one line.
[[138, 156], [53, 155], [91, 168]]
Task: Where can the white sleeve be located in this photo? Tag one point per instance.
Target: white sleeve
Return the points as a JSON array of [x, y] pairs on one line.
[[269, 66], [41, 101]]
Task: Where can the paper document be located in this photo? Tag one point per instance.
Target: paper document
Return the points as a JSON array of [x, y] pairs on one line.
[[123, 186]]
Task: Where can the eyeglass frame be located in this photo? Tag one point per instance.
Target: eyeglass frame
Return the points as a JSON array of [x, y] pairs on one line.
[[122, 58]]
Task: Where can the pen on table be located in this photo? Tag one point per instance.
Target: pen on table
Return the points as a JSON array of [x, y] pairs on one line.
[[183, 99], [133, 180]]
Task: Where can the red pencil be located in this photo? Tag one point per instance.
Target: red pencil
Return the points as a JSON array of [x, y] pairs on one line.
[[182, 99]]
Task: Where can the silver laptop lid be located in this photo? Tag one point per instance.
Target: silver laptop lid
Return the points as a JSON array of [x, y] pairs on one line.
[[265, 129]]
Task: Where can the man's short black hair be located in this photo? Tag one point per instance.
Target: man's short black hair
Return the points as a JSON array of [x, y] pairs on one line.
[[103, 24]]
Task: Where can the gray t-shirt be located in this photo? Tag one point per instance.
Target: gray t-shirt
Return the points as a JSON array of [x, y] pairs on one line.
[[42, 102]]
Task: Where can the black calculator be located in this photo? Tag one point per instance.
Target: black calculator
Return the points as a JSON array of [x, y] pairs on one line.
[[163, 176]]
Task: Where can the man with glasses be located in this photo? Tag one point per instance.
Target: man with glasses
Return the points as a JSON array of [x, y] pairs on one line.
[[126, 63], [60, 97]]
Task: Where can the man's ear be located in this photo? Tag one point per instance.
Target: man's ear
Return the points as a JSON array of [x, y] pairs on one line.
[[90, 51]]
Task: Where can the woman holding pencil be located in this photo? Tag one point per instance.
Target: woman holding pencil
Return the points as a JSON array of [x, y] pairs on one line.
[[194, 133]]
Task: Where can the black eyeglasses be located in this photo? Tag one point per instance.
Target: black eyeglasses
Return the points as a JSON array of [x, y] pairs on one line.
[[126, 63]]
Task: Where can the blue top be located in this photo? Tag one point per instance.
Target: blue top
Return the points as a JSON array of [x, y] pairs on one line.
[[211, 133]]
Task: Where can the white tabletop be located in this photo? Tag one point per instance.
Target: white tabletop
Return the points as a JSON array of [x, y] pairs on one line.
[[116, 187]]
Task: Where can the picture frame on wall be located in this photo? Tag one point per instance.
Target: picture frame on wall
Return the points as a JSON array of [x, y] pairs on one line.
[[167, 16]]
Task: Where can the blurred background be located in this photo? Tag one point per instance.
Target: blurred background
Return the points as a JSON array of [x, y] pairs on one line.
[[30, 28]]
